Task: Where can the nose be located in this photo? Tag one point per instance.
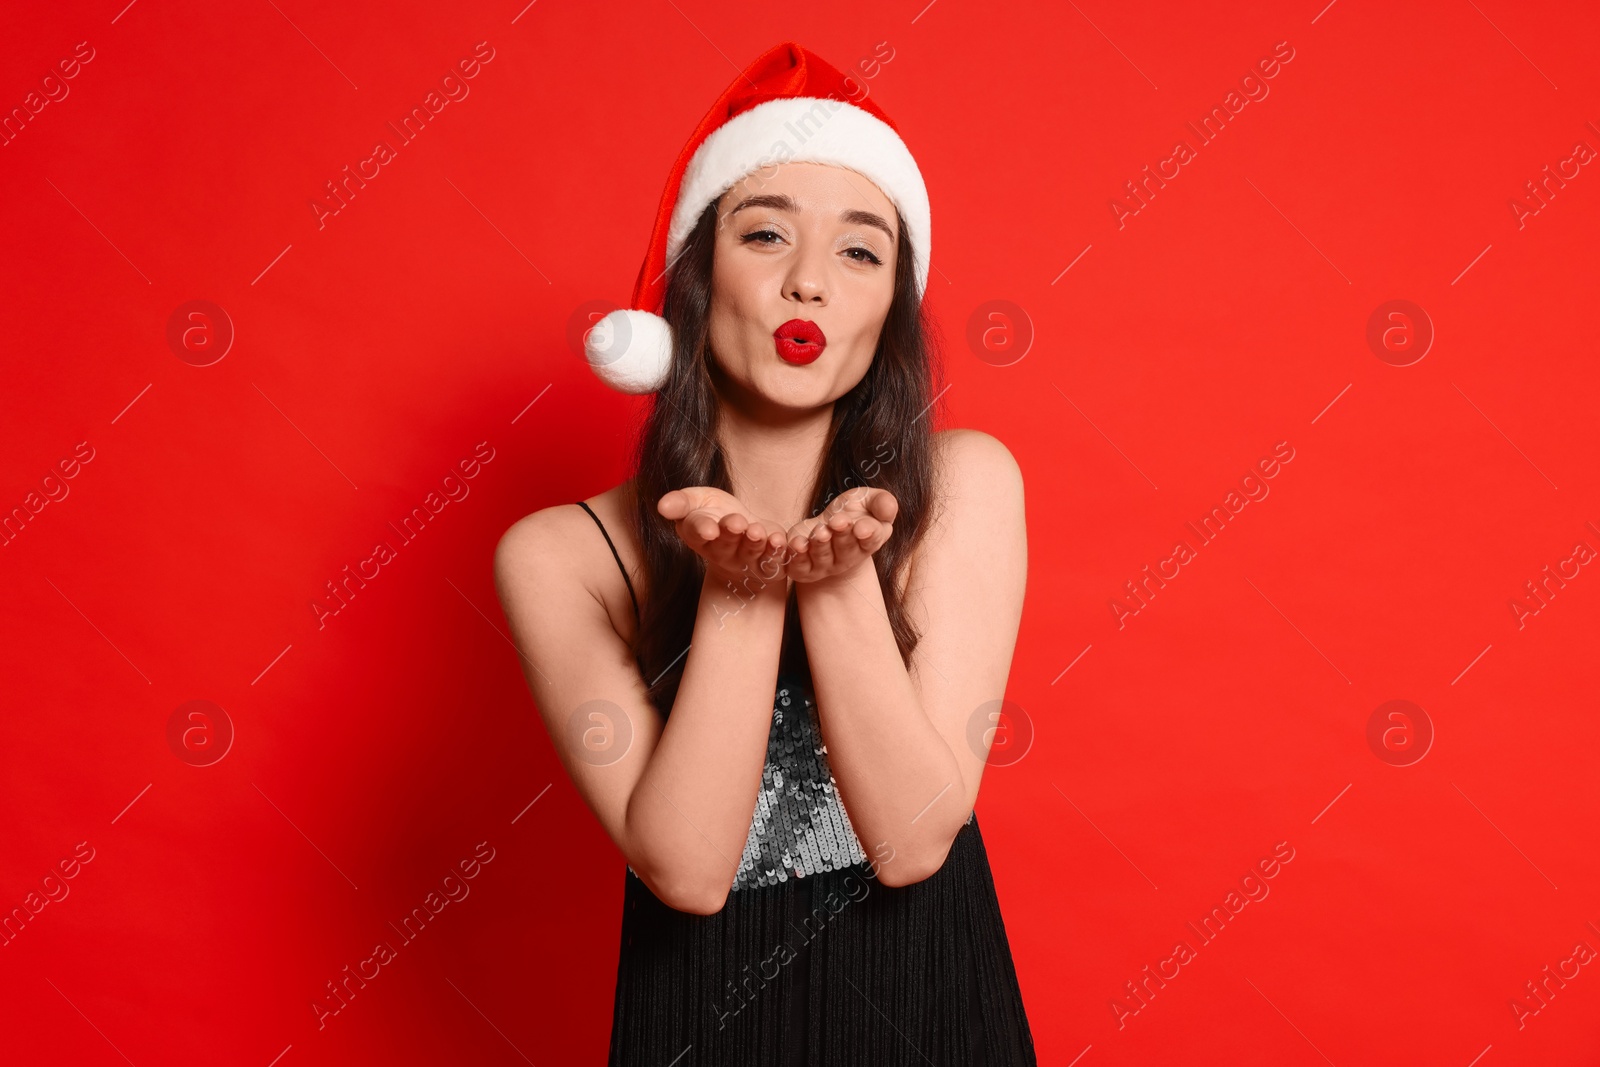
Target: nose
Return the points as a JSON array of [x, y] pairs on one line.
[[805, 280]]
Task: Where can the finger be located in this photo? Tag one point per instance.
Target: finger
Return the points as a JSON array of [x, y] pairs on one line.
[[745, 552], [870, 534], [734, 543], [798, 563], [769, 565], [822, 552], [883, 505], [704, 526], [779, 551], [860, 542], [673, 505], [751, 549]]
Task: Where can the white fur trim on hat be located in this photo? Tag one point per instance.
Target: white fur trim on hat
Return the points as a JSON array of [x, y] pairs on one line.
[[630, 350], [804, 130]]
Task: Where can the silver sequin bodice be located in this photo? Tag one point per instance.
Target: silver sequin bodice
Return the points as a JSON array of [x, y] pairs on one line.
[[800, 826]]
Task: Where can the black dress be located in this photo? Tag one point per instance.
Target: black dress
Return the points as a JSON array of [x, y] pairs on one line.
[[812, 960]]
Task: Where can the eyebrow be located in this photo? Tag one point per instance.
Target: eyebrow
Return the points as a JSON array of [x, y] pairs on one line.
[[785, 202]]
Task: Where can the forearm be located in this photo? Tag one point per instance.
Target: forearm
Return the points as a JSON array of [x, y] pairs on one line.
[[897, 777], [691, 809]]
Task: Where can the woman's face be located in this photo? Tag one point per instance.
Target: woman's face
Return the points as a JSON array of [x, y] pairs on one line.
[[800, 241]]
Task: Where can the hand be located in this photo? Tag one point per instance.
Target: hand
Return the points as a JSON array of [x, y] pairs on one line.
[[718, 528], [841, 540]]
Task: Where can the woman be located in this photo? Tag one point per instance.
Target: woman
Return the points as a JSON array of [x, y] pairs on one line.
[[806, 880]]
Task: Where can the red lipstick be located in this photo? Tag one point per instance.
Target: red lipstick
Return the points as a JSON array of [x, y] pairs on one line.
[[799, 341]]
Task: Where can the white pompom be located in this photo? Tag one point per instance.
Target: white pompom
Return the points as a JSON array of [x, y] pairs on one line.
[[630, 350]]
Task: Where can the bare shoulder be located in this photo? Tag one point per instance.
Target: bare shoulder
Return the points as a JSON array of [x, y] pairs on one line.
[[561, 551], [560, 528], [977, 505], [975, 468]]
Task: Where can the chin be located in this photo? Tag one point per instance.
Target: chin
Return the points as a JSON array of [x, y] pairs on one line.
[[801, 399], [800, 395]]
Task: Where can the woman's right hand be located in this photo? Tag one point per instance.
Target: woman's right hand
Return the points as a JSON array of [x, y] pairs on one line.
[[718, 528]]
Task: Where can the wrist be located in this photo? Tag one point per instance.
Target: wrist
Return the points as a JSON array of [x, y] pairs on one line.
[[843, 582], [725, 596], [753, 580]]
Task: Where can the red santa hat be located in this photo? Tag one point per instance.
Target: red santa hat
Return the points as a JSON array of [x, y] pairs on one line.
[[787, 107]]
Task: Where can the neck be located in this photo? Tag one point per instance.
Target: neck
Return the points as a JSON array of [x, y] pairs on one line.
[[774, 458]]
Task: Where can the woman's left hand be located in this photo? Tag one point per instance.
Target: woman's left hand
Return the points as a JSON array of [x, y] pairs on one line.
[[842, 539]]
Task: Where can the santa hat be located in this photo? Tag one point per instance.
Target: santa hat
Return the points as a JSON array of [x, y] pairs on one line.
[[786, 107]]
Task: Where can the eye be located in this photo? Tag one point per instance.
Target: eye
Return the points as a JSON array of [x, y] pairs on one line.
[[758, 237]]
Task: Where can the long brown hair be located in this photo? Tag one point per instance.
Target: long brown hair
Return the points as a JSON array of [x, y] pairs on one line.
[[881, 435]]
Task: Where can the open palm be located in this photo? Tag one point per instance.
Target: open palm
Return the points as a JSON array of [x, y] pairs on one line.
[[717, 526], [842, 539]]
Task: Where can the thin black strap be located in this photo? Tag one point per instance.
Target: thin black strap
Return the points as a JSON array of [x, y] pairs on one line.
[[618, 558]]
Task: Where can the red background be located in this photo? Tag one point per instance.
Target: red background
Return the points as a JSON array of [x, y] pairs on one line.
[[375, 352]]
